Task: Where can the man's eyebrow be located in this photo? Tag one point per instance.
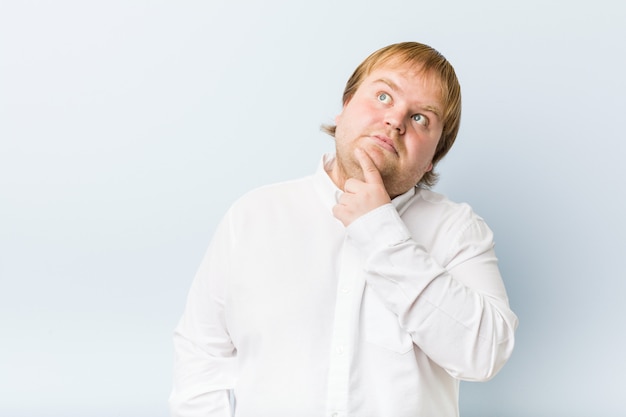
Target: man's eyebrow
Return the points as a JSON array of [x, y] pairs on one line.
[[389, 83], [433, 109], [428, 107]]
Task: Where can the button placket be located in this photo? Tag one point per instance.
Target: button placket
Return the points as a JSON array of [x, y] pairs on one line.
[[343, 334]]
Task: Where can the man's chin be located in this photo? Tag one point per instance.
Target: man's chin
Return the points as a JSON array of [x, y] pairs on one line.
[[378, 156]]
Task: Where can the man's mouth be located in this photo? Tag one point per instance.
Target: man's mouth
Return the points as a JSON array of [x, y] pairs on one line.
[[385, 143]]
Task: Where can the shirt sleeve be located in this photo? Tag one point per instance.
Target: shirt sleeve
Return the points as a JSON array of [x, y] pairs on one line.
[[458, 313], [205, 358]]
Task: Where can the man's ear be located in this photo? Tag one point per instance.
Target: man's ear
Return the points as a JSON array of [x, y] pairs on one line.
[[345, 103]]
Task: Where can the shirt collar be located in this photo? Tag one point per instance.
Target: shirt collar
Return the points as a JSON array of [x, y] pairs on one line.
[[330, 193]]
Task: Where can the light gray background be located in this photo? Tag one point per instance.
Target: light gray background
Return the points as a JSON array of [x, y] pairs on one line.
[[128, 127]]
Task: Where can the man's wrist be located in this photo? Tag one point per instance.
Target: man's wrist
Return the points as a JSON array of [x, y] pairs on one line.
[[377, 229]]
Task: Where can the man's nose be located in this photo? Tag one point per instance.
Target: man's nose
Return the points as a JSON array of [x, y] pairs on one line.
[[394, 118]]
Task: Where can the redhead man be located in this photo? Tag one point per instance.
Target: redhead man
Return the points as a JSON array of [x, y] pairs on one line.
[[356, 291]]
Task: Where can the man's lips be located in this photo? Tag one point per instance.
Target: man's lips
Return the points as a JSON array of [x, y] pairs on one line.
[[385, 143]]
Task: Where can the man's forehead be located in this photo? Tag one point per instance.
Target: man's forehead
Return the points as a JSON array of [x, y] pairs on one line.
[[414, 70]]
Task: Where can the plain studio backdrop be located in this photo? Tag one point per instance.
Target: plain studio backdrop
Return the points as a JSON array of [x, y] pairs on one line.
[[127, 128]]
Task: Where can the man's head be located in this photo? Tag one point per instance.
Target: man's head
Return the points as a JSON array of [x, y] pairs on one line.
[[428, 80]]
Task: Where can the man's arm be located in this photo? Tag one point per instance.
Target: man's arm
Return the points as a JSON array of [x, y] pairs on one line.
[[458, 315], [204, 367]]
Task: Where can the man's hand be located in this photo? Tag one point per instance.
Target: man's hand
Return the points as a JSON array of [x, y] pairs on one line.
[[361, 197]]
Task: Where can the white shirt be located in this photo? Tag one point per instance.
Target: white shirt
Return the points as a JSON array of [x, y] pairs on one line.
[[300, 316]]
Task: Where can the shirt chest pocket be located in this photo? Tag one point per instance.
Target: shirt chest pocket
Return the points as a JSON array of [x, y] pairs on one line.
[[380, 326]]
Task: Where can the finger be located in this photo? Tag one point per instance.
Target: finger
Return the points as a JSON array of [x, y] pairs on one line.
[[370, 172], [352, 185]]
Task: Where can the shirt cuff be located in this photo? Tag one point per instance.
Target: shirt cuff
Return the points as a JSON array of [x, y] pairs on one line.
[[378, 229]]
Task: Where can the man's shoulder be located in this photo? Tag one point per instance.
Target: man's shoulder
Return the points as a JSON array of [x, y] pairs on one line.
[[276, 193], [438, 222], [440, 204], [435, 198]]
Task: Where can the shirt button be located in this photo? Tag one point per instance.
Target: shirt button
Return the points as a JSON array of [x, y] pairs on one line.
[[345, 290], [335, 414], [339, 350]]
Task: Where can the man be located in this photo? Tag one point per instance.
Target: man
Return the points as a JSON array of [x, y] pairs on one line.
[[356, 291]]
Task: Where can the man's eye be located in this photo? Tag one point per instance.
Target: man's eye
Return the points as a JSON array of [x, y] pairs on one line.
[[384, 97], [420, 118]]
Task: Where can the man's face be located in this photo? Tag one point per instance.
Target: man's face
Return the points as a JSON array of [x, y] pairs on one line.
[[395, 117]]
